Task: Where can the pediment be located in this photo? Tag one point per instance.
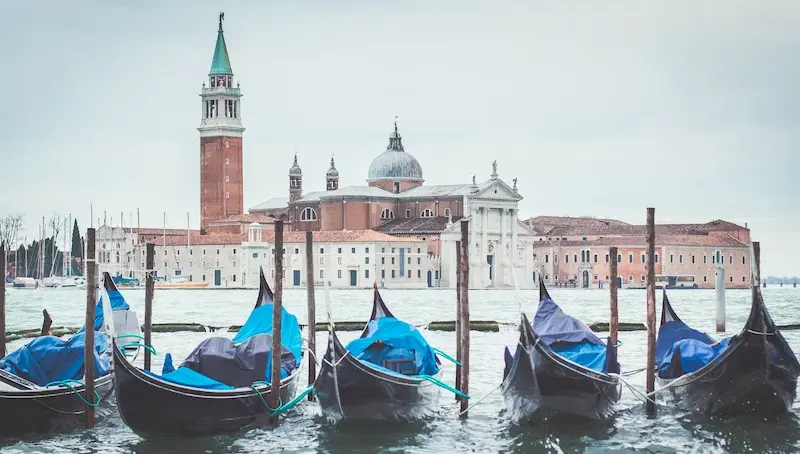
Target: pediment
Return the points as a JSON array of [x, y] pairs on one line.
[[498, 190]]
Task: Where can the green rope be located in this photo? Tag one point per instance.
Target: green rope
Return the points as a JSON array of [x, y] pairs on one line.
[[66, 384], [138, 344], [446, 356], [295, 401], [253, 387], [137, 336], [442, 384]]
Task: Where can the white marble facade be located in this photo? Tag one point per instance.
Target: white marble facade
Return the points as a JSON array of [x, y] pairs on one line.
[[499, 241]]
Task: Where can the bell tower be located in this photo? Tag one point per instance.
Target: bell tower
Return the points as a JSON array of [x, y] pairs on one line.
[[295, 181], [221, 181], [332, 177]]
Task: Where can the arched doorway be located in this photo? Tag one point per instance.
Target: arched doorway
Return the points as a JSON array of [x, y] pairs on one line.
[[619, 282], [585, 280]]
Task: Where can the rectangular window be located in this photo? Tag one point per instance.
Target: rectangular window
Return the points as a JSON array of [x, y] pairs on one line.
[[713, 259], [705, 259], [419, 260], [393, 274], [178, 252], [353, 250], [408, 213], [731, 262], [566, 258], [339, 274], [409, 274], [322, 260], [366, 274], [555, 258], [546, 258], [204, 278], [340, 250], [644, 258], [234, 278], [671, 258], [630, 258], [692, 258], [321, 274], [383, 260], [595, 258], [419, 250], [392, 260], [607, 258], [656, 259], [409, 260], [366, 250], [255, 255], [383, 274], [619, 258], [743, 260], [680, 258], [322, 250], [366, 260]]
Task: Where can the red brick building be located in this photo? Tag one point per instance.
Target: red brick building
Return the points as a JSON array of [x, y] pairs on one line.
[[221, 180]]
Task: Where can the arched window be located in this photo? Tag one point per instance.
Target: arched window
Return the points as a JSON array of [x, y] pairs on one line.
[[426, 214], [308, 214], [387, 214]]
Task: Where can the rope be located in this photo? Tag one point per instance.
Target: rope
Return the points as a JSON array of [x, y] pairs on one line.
[[139, 345], [313, 356], [446, 356], [638, 394], [67, 384], [300, 397], [335, 364], [442, 384], [136, 336], [254, 388], [480, 400], [763, 334], [633, 372]]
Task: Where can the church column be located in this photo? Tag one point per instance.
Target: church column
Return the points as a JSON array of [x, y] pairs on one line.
[[484, 244], [513, 220], [500, 268]]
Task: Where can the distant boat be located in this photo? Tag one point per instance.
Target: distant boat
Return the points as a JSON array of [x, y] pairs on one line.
[[25, 283], [125, 282], [181, 283]]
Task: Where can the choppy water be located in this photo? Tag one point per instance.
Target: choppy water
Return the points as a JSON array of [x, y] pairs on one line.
[[486, 430]]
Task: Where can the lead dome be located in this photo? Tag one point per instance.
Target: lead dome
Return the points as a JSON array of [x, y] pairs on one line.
[[395, 164]]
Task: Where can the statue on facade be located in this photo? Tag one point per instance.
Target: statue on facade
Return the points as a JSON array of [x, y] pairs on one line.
[[494, 167], [473, 180], [515, 183]]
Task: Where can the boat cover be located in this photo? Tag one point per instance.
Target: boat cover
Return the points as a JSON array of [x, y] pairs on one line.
[[569, 337], [118, 303], [50, 359], [187, 377], [239, 365], [694, 349], [260, 322], [393, 341]]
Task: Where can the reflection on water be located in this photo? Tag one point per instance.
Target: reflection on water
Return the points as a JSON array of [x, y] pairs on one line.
[[487, 428]]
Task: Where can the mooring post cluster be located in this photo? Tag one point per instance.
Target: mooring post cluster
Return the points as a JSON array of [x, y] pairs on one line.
[[312, 317], [277, 308], [88, 346]]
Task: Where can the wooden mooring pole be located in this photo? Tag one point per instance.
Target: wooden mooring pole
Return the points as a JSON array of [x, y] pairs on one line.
[[719, 287], [458, 318], [613, 326], [312, 312], [755, 266], [149, 288], [277, 305], [651, 307], [464, 316], [88, 346], [3, 301]]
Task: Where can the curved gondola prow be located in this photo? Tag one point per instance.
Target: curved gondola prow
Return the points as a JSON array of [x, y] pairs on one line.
[[667, 313], [265, 295], [108, 283], [543, 293], [379, 309], [758, 321]]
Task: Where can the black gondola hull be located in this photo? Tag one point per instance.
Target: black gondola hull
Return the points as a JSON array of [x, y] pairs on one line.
[[44, 411], [755, 375], [367, 393], [540, 383], [151, 406]]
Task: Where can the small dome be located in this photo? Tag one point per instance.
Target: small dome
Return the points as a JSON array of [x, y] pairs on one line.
[[332, 172], [295, 171], [395, 164], [255, 225]]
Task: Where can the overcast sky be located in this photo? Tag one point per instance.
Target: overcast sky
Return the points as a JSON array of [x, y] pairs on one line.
[[599, 108]]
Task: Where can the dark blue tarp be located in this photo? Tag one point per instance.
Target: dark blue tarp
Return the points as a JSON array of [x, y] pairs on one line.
[[260, 322], [390, 339], [552, 325], [49, 359], [696, 349]]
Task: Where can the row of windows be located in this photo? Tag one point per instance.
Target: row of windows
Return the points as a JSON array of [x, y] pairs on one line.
[[366, 274], [630, 278], [309, 214], [585, 258]]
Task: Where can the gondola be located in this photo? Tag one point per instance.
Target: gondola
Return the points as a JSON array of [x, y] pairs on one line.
[[42, 386], [388, 374], [560, 368], [753, 372], [221, 387]]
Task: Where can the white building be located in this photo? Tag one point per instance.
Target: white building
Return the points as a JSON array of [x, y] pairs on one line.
[[499, 241]]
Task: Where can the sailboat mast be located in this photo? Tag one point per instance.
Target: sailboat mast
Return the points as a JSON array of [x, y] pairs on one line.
[[188, 240], [68, 249]]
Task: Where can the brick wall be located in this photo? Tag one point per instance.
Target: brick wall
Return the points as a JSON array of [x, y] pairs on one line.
[[221, 180]]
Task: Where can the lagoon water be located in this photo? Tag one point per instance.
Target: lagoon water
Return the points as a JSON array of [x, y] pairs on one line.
[[487, 428]]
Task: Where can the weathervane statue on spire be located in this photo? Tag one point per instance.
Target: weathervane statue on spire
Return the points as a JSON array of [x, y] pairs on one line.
[[221, 18]]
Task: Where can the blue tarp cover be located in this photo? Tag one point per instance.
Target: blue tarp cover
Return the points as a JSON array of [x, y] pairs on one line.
[[48, 359], [591, 356], [696, 349], [552, 325], [188, 377], [118, 303], [260, 322], [391, 339]]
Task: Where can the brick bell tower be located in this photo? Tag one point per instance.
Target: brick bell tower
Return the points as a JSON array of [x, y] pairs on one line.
[[221, 181]]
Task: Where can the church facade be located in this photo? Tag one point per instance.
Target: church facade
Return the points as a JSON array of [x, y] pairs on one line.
[[396, 201]]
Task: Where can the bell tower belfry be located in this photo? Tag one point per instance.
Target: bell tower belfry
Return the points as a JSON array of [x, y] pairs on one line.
[[221, 166]]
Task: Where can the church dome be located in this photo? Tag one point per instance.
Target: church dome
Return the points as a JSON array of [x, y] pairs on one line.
[[332, 172], [395, 164]]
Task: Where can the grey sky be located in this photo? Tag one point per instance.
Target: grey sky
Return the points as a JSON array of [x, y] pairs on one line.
[[599, 108]]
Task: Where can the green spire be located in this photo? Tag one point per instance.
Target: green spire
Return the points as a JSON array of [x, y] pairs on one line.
[[221, 64]]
